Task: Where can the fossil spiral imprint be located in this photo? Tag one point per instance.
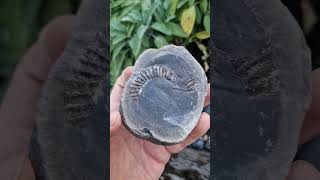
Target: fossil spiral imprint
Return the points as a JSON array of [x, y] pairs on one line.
[[153, 72]]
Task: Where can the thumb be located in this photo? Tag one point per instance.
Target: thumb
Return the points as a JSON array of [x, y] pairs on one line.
[[115, 122], [303, 170]]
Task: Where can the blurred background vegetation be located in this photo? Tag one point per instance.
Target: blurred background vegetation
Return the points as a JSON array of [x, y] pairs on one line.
[[137, 25], [20, 24]]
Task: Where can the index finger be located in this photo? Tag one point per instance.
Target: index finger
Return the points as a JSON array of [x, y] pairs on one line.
[[207, 99]]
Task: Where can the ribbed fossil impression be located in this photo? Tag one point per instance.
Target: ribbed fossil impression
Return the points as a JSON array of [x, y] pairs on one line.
[[164, 97], [69, 140]]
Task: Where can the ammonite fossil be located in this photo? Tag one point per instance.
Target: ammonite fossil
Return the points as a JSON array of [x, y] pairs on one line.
[[163, 99], [261, 89]]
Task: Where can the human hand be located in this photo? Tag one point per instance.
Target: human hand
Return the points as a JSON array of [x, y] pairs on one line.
[[311, 129], [135, 158], [19, 105]]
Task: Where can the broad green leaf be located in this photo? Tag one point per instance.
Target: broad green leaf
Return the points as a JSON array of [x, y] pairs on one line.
[[146, 42], [170, 18], [191, 2], [127, 62], [161, 27], [203, 6], [142, 29], [198, 16], [131, 28], [116, 25], [134, 17], [151, 12], [181, 3], [145, 7], [206, 23], [188, 18], [116, 66], [135, 42], [113, 33], [127, 10], [131, 2], [173, 7], [117, 49], [177, 30], [166, 4], [203, 35], [159, 14], [134, 45], [160, 41], [115, 4], [118, 38]]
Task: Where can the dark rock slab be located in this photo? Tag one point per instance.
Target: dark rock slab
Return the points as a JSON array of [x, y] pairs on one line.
[[261, 89], [71, 127], [163, 99], [188, 164]]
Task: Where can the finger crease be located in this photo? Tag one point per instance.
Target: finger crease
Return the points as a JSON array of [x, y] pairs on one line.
[[33, 77]]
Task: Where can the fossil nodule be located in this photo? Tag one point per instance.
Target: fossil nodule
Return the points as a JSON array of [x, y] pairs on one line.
[[163, 99]]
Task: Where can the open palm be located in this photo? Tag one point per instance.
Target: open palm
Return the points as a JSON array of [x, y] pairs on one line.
[[135, 158]]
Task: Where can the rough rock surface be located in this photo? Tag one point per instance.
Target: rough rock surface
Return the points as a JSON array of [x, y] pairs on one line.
[[69, 141], [163, 99], [261, 89], [189, 164]]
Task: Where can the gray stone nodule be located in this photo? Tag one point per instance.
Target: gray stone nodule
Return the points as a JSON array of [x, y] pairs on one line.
[[163, 99]]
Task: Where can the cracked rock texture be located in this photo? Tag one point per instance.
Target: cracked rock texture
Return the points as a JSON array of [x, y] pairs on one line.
[[163, 99]]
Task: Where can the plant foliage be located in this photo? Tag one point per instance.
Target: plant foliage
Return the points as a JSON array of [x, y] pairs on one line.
[[137, 25]]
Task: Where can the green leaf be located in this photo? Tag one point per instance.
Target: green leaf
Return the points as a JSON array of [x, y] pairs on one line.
[[191, 2], [170, 18], [116, 66], [160, 41], [203, 6], [134, 17], [181, 3], [203, 35], [146, 42], [131, 2], [117, 49], [118, 38], [116, 25], [134, 45], [159, 14], [206, 23], [115, 4], [127, 10], [188, 18], [131, 28], [161, 27], [177, 30], [166, 4], [135, 42], [198, 16], [145, 7], [151, 12], [127, 62], [142, 29], [173, 7]]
